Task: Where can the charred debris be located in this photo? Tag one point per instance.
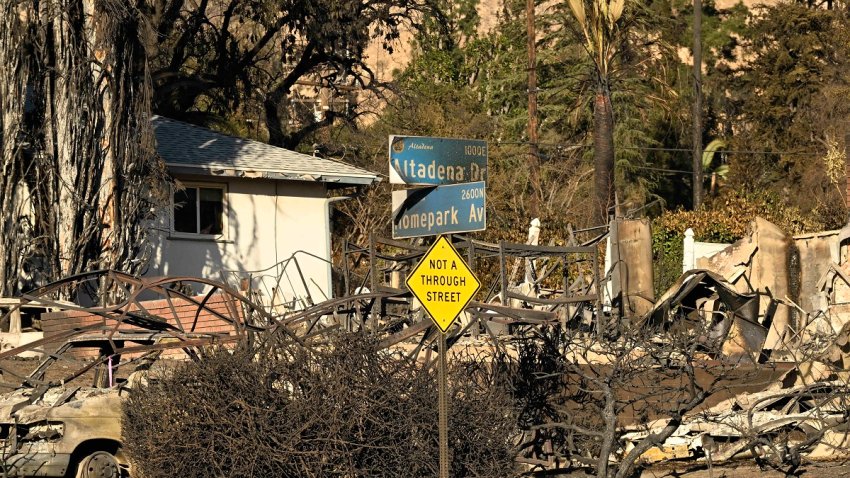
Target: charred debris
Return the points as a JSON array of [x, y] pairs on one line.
[[743, 356]]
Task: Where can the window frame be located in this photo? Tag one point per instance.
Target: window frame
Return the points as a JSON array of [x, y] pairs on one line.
[[225, 208]]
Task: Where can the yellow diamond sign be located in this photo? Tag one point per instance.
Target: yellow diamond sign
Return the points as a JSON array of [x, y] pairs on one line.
[[443, 283]]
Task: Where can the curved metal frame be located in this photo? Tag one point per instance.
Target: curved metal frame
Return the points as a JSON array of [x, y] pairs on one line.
[[242, 316]]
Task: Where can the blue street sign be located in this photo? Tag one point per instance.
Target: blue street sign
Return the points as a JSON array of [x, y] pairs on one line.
[[419, 160], [439, 210]]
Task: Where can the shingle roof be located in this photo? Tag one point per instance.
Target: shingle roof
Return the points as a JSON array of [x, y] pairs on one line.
[[187, 148]]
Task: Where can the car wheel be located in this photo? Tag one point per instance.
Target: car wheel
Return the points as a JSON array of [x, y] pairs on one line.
[[99, 464]]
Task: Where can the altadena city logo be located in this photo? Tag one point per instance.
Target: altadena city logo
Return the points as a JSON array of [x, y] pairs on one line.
[[398, 145]]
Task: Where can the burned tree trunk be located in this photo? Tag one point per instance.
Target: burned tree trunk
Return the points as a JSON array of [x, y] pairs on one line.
[[12, 96], [76, 140]]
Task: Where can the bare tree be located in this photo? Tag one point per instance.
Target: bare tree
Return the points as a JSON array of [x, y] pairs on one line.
[[222, 58]]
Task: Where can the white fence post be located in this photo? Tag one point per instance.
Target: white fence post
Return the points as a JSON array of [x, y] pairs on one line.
[[688, 259], [533, 240]]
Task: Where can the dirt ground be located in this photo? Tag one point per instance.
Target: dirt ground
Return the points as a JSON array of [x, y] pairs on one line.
[[748, 469]]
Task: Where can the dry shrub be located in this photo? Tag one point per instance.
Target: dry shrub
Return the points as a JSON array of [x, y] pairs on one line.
[[347, 410]]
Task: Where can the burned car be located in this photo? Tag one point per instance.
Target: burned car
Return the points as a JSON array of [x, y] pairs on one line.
[[102, 334], [64, 418]]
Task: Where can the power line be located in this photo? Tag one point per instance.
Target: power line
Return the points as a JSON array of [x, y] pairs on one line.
[[650, 168], [663, 170], [651, 148], [560, 145], [728, 151]]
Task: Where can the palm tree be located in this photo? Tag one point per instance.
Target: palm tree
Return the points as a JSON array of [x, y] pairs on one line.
[[600, 27]]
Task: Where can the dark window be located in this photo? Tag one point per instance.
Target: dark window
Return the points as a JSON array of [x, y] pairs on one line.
[[199, 210], [185, 210]]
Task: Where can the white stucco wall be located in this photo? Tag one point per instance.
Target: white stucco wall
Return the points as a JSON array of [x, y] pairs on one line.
[[267, 222]]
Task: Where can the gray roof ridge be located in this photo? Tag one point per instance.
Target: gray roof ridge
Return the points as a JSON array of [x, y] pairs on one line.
[[206, 130], [177, 152]]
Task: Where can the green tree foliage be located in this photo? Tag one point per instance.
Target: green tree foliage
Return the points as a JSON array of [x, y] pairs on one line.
[[601, 27], [666, 119], [477, 90], [565, 170], [772, 66], [791, 100], [629, 75], [502, 85], [774, 92]]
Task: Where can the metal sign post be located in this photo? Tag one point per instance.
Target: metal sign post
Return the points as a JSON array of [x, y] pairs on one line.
[[443, 405], [455, 201], [444, 284]]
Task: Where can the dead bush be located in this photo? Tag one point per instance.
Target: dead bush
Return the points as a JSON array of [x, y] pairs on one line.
[[346, 410]]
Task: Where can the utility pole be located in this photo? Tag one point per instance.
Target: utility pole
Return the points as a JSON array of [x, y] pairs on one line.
[[847, 170], [533, 148], [697, 113]]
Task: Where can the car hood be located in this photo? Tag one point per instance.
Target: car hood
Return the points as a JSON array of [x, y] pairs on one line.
[[23, 406]]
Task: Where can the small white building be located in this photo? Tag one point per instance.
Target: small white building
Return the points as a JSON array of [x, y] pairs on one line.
[[245, 210]]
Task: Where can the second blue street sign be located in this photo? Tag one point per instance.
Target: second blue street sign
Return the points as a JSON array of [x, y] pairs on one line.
[[437, 210], [425, 161]]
